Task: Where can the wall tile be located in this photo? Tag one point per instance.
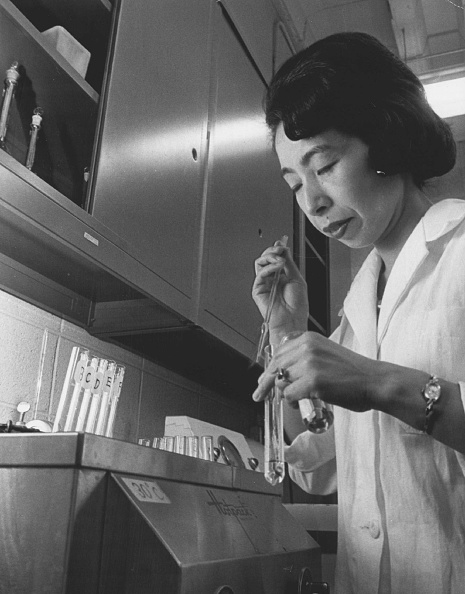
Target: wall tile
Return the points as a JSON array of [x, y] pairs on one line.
[[16, 308], [20, 354], [226, 413], [36, 345], [161, 398]]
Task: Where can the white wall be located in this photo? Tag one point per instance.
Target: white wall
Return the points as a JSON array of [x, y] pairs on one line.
[[34, 353]]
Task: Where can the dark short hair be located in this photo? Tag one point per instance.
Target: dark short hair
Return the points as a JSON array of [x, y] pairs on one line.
[[352, 83]]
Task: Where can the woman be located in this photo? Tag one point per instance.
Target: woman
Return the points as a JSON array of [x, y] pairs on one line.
[[356, 141]]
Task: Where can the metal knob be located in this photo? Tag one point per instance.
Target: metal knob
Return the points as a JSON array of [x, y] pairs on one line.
[[253, 463], [22, 408]]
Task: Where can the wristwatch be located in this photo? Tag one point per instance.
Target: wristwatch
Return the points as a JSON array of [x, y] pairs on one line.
[[431, 393]]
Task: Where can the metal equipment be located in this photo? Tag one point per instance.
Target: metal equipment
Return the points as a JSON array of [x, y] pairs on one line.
[[81, 513]]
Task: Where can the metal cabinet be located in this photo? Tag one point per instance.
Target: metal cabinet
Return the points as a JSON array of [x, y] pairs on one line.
[[51, 252], [248, 204], [148, 175], [154, 185], [46, 79]]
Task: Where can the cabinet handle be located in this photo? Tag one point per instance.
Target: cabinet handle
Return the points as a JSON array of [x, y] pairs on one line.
[[90, 238]]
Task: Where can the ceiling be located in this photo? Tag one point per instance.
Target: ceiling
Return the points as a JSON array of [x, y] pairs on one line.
[[429, 35], [414, 28]]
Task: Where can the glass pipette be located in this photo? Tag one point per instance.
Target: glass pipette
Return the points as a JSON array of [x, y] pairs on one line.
[[265, 329]]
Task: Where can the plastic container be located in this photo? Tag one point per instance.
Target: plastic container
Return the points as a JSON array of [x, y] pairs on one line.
[[71, 50]]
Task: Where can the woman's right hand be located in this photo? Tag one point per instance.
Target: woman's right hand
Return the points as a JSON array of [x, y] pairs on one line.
[[290, 310]]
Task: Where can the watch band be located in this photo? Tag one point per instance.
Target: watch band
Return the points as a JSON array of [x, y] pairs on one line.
[[431, 393]]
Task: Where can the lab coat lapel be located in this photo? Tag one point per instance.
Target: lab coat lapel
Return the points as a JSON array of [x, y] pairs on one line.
[[360, 305], [441, 218], [408, 261]]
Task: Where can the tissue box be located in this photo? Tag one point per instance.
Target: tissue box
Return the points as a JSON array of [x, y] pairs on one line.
[[71, 50], [183, 425]]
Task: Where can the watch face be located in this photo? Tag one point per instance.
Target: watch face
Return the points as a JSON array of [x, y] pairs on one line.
[[433, 390]]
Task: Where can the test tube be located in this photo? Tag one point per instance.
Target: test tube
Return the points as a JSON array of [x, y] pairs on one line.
[[180, 444], [114, 397], [192, 446], [274, 433], [96, 396], [156, 443], [104, 412], [88, 382], [169, 443], [206, 447], [78, 379], [317, 415]]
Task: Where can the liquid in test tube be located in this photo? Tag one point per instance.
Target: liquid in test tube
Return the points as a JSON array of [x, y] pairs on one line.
[[275, 469]]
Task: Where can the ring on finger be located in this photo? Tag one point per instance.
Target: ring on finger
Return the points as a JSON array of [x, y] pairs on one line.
[[283, 374]]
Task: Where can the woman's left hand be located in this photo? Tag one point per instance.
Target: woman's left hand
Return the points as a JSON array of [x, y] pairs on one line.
[[316, 367]]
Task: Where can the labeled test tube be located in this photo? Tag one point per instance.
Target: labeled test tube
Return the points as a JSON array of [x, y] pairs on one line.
[[96, 397], [104, 411], [274, 470], [71, 390], [87, 384], [114, 397]]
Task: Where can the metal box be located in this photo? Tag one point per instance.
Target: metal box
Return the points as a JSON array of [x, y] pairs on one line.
[[83, 513]]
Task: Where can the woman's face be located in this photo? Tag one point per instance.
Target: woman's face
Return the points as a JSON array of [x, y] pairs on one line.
[[337, 189]]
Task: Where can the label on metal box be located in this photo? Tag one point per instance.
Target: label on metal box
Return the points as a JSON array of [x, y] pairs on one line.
[[146, 491]]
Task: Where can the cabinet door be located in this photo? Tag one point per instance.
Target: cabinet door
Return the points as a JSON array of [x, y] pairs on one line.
[[248, 205], [149, 169]]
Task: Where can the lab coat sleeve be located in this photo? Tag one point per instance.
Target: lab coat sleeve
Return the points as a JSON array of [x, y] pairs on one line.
[[312, 458], [461, 457], [312, 462]]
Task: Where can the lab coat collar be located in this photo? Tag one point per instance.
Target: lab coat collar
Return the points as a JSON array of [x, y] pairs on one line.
[[360, 305], [442, 217]]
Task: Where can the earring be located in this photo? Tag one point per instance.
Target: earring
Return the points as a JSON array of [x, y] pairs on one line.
[[381, 173]]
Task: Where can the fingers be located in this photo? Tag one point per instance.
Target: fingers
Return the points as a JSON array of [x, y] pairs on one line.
[[291, 390], [276, 375], [265, 383], [269, 263], [285, 371], [272, 256]]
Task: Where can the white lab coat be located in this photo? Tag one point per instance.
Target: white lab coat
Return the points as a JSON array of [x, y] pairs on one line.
[[401, 494]]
